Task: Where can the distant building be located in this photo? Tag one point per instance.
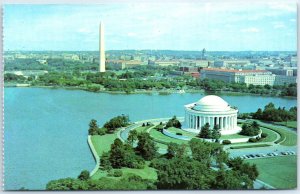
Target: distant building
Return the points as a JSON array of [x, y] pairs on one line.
[[255, 77], [164, 63], [189, 69], [231, 63], [287, 71], [122, 64]]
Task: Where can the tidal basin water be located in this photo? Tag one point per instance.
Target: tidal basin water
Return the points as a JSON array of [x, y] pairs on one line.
[[46, 129]]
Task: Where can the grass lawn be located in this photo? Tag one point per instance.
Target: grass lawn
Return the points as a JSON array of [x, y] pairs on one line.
[[102, 142], [233, 136], [184, 133], [279, 172], [145, 173], [161, 138], [142, 129], [249, 146], [287, 138], [292, 124], [271, 135]]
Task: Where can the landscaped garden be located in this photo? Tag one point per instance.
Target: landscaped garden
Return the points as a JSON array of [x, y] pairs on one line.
[[287, 138], [102, 142], [161, 138], [292, 124], [280, 172]]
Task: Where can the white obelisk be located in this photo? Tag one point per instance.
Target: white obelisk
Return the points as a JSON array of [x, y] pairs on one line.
[[101, 48]]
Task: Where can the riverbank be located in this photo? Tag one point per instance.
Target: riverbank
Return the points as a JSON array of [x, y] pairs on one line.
[[95, 155], [152, 92]]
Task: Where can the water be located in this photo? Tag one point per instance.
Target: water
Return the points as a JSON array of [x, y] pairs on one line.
[[46, 129]]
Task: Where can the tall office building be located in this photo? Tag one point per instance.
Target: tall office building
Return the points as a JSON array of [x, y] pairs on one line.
[[101, 48]]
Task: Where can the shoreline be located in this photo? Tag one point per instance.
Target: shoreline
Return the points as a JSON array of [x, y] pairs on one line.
[[159, 92], [95, 155]]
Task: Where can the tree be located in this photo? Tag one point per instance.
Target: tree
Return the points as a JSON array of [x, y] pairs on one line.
[[117, 122], [175, 150], [93, 127], [238, 165], [201, 151], [173, 122], [205, 132], [250, 129], [216, 133], [228, 179], [101, 131], [84, 175], [105, 162], [258, 114], [132, 137], [183, 173], [146, 147], [117, 154]]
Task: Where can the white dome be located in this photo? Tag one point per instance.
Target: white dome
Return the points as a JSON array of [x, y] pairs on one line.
[[211, 103]]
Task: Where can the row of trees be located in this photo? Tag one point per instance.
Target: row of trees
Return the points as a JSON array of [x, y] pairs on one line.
[[109, 127], [131, 182], [135, 79], [271, 113]]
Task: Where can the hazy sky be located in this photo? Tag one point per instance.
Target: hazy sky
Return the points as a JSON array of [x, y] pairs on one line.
[[176, 26]]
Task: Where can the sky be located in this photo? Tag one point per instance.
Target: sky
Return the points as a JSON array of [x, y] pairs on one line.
[[158, 26]]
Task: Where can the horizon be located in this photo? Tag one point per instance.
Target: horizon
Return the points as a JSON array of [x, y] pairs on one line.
[[207, 51], [185, 27]]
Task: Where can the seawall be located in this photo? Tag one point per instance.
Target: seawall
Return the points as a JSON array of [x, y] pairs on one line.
[[95, 155]]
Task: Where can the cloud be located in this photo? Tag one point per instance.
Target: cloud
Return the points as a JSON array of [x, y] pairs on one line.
[[131, 34], [84, 30], [278, 25], [250, 30], [288, 7]]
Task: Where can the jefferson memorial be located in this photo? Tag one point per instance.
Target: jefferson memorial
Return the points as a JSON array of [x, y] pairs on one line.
[[213, 110]]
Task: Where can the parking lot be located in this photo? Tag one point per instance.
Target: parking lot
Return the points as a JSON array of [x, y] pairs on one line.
[[271, 154]]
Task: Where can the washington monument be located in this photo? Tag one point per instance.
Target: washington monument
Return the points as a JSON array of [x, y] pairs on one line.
[[101, 48]]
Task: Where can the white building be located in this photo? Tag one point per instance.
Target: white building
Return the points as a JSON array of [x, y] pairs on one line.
[[213, 110]]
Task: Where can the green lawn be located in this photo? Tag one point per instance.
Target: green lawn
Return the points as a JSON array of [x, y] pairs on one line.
[[279, 172], [292, 124], [145, 173], [287, 138], [142, 129], [102, 143], [233, 136], [184, 133], [271, 135], [249, 146], [161, 138]]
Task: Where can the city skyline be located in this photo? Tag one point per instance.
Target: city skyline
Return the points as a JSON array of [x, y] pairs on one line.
[[181, 26]]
